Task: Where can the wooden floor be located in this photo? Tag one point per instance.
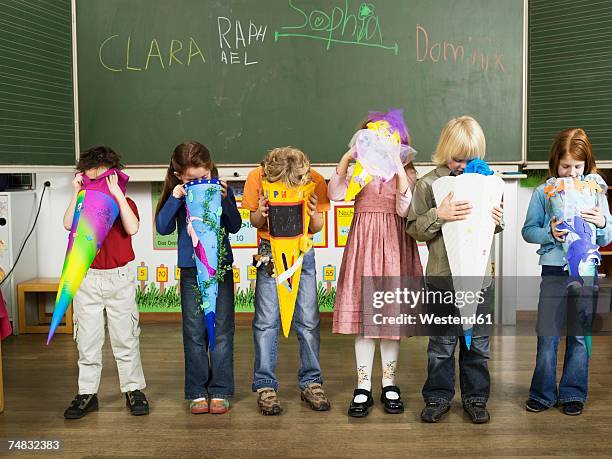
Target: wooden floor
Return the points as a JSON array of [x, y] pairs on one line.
[[40, 381]]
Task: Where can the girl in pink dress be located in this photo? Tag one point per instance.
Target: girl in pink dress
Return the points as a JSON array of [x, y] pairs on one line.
[[377, 245]]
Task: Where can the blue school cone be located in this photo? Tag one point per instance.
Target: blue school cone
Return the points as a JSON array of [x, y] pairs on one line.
[[209, 321], [203, 206], [467, 334]]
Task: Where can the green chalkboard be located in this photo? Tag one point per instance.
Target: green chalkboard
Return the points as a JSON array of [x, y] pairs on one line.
[[244, 76], [36, 91], [570, 74]]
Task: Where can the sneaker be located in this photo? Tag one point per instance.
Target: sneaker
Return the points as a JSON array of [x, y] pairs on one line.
[[434, 411], [268, 402], [477, 411], [573, 408], [136, 401], [219, 405], [534, 406], [81, 405], [199, 406], [315, 397]]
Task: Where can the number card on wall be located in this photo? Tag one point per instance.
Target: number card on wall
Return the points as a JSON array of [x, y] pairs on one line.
[[320, 239], [342, 224], [246, 237]]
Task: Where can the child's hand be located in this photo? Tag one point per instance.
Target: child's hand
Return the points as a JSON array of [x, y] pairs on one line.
[[498, 214], [312, 205], [179, 191], [263, 205], [113, 186], [453, 210], [223, 189], [349, 155], [559, 235], [595, 216], [77, 182]]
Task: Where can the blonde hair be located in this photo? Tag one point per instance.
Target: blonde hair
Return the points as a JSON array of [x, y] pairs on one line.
[[288, 165], [461, 138]]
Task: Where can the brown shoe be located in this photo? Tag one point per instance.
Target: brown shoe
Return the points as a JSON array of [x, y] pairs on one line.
[[268, 401], [315, 397]]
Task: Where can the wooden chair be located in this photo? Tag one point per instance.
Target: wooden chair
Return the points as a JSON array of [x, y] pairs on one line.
[[41, 288]]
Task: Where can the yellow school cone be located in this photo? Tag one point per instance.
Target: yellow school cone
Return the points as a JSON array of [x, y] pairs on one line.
[[288, 221], [359, 179]]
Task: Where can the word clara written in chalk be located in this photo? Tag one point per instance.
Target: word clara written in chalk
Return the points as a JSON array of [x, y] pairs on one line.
[[117, 53], [234, 43], [361, 27]]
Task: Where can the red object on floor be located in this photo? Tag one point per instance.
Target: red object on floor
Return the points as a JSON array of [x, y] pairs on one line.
[[5, 324]]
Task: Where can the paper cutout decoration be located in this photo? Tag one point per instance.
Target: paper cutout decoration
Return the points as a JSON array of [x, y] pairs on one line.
[[95, 213], [203, 203], [567, 197], [468, 242], [288, 221], [375, 148]]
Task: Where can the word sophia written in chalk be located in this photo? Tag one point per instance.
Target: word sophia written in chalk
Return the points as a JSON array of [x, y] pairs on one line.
[[234, 41], [116, 54], [453, 52], [339, 25]]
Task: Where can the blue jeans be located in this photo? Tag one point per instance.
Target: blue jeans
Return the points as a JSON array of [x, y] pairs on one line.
[[208, 374], [266, 327], [553, 308], [475, 380]]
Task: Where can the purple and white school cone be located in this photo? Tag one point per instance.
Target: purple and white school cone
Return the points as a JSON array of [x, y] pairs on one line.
[[468, 242]]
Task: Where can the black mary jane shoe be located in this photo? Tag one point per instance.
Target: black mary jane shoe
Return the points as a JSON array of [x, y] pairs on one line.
[[360, 410], [392, 406]]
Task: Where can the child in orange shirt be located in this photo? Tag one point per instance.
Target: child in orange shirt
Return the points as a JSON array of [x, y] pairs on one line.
[[292, 167]]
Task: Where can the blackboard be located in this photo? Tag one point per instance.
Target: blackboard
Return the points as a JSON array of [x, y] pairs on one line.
[[245, 76], [36, 90], [286, 220], [570, 74]]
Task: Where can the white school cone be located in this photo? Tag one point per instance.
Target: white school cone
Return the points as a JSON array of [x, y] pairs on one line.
[[468, 242]]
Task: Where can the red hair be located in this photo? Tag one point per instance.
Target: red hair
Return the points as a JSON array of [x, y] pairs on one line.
[[574, 142]]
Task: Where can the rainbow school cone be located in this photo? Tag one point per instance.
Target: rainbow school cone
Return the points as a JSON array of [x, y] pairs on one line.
[[288, 221], [468, 242], [204, 210], [95, 213]]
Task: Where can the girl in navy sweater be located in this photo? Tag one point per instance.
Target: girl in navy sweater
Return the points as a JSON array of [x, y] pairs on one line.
[[209, 375]]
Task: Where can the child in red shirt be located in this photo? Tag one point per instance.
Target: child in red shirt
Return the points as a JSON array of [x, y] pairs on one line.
[[108, 288]]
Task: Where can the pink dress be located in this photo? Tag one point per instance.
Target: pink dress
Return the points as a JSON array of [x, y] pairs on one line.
[[377, 245]]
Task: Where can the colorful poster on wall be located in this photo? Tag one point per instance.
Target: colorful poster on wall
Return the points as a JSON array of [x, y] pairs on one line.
[[320, 239], [342, 224], [246, 237], [161, 242]]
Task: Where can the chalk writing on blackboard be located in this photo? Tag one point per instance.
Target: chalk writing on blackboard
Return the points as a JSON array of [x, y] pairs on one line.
[[116, 54], [338, 25], [233, 39], [479, 53], [286, 220]]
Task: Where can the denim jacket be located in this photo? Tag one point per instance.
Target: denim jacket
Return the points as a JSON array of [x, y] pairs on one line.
[[536, 230]]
